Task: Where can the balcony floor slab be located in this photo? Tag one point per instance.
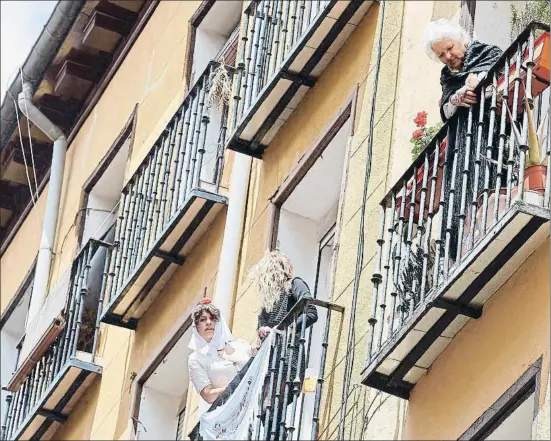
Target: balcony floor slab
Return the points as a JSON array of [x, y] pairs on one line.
[[165, 256], [425, 334], [58, 400]]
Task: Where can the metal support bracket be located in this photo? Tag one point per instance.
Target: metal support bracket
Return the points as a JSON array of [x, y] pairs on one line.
[[307, 81], [52, 415], [449, 305], [169, 257]]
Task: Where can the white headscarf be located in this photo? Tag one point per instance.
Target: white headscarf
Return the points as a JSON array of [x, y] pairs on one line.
[[221, 336]]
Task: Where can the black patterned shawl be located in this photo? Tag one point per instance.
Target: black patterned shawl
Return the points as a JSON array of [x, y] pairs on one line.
[[479, 57]]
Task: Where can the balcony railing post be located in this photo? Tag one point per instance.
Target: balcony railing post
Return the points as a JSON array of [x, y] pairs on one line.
[[530, 102], [511, 159], [271, 26], [297, 381], [6, 416], [119, 241], [397, 260], [321, 376], [424, 245], [441, 208], [277, 31], [178, 160], [126, 245], [168, 149], [387, 267], [220, 150], [197, 135], [288, 382], [294, 35], [135, 233], [451, 204], [82, 294], [406, 310], [501, 148], [464, 183], [270, 376], [376, 279], [104, 278], [264, 5], [284, 32], [205, 120], [240, 95], [151, 216], [144, 210]]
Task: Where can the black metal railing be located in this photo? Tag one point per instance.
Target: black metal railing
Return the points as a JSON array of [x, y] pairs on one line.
[[283, 411], [189, 152], [460, 187], [271, 31], [79, 324], [290, 402]]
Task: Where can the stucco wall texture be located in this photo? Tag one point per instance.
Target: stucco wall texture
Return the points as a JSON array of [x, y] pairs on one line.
[[487, 356], [468, 377]]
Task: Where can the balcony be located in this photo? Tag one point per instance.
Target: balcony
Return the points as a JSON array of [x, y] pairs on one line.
[[169, 202], [59, 350], [294, 403], [447, 243], [285, 47]]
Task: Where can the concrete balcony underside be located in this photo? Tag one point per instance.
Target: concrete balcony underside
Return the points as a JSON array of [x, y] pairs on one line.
[[168, 253], [53, 409], [410, 352]]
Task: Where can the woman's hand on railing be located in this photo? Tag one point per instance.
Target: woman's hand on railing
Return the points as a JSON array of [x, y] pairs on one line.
[[264, 331]]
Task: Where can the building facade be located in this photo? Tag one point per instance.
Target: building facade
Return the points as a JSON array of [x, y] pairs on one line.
[[172, 143]]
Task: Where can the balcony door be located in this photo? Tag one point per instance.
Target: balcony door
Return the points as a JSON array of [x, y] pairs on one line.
[[306, 228]]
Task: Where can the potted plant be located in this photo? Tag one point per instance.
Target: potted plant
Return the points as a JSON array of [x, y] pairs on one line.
[[421, 137], [535, 169]]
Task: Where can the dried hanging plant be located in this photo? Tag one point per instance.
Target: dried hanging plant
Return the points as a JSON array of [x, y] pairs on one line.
[[220, 89]]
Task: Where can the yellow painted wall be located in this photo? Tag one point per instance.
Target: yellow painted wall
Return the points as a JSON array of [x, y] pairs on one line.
[[152, 76], [487, 356], [315, 112], [80, 420]]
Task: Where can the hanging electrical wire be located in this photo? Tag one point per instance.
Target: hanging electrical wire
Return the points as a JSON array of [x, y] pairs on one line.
[[350, 347]]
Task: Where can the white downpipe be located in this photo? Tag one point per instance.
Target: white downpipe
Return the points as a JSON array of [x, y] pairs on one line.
[[233, 230], [44, 259]]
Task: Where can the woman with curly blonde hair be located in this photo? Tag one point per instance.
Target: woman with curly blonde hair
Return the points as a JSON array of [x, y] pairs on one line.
[[279, 290]]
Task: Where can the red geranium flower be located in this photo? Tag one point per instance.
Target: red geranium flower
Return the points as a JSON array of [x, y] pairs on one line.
[[417, 134], [421, 119]]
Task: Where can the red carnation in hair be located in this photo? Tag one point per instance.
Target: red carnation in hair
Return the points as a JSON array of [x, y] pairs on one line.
[[205, 301], [421, 119]]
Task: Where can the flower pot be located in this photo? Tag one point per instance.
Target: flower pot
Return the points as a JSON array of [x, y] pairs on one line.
[[534, 178], [419, 178], [540, 72]]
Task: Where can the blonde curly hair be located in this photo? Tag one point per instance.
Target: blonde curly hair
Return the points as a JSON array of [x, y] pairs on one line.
[[272, 276]]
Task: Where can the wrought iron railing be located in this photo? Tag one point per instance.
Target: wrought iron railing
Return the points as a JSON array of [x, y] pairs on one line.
[[77, 330], [272, 30], [290, 402], [188, 154], [446, 202]]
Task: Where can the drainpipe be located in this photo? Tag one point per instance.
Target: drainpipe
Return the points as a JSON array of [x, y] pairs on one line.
[[233, 230], [44, 259]]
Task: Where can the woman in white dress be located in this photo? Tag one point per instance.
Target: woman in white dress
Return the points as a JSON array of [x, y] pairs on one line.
[[215, 359]]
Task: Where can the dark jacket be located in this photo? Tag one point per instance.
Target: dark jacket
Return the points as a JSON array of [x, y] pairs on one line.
[[287, 300]]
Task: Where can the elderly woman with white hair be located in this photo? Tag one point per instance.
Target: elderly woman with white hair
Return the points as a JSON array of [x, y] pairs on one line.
[[466, 64]]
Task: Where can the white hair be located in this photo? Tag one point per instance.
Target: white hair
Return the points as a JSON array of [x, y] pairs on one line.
[[443, 29]]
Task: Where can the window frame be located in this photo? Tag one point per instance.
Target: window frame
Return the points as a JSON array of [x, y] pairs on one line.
[[506, 404], [128, 131]]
